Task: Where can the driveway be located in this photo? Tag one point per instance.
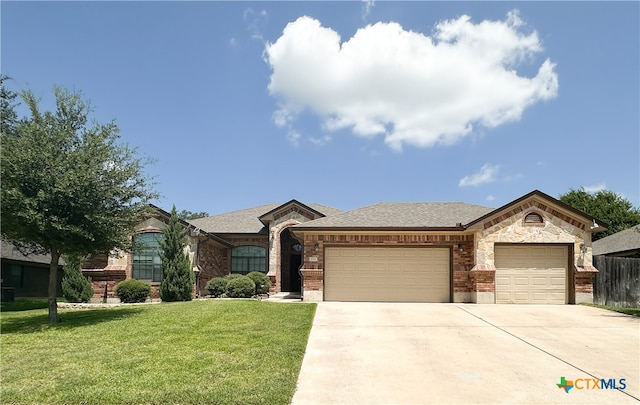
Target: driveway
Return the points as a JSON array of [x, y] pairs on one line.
[[403, 353]]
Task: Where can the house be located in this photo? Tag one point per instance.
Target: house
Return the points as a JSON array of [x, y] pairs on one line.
[[26, 275], [534, 249], [621, 244]]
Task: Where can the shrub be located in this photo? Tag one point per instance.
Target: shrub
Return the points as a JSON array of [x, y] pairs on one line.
[[217, 286], [261, 281], [132, 290], [75, 286], [240, 287]]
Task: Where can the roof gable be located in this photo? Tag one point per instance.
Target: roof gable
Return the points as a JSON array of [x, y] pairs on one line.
[[537, 200], [249, 220], [290, 210]]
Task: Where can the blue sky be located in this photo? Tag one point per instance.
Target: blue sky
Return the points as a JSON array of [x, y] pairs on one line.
[[349, 103]]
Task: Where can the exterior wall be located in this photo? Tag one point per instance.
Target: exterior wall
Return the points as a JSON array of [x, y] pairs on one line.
[[460, 244], [107, 271], [213, 262], [510, 228]]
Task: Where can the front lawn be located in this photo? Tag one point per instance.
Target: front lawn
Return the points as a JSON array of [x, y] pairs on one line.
[[200, 352]]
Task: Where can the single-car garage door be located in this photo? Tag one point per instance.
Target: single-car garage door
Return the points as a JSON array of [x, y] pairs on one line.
[[393, 274], [531, 274]]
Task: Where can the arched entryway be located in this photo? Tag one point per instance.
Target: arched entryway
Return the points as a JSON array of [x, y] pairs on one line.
[[290, 262]]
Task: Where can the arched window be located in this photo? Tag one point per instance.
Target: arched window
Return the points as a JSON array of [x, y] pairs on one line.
[[533, 218], [147, 265], [245, 259]]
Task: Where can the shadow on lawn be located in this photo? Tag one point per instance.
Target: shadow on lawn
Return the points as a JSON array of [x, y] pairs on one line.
[[29, 323]]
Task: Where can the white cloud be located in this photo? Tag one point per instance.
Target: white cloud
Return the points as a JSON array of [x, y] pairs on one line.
[[487, 174], [595, 188], [367, 5], [409, 87], [490, 198], [256, 22]]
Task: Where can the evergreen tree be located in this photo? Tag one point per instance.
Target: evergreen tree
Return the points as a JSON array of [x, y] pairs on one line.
[[177, 276], [75, 286]]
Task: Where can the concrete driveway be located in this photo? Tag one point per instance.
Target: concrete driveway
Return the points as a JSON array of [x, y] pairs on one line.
[[403, 353]]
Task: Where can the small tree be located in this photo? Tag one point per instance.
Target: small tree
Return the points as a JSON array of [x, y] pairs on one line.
[[75, 286], [177, 276]]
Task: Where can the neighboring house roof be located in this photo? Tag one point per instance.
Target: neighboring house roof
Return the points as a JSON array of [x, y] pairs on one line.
[[247, 220], [403, 215], [9, 252], [623, 241]]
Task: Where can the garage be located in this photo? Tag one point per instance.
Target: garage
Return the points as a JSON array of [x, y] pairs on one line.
[[531, 274], [387, 274]]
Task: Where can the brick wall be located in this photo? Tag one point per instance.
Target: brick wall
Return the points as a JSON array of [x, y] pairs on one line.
[[213, 261]]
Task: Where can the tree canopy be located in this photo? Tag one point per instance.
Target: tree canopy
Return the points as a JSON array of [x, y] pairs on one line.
[[68, 186], [8, 115], [607, 206], [186, 215]]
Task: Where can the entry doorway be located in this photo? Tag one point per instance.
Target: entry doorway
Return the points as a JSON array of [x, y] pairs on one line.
[[290, 262]]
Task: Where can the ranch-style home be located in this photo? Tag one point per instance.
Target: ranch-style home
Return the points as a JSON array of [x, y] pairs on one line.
[[534, 249]]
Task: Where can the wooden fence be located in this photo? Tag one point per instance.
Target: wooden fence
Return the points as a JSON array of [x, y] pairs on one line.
[[617, 282]]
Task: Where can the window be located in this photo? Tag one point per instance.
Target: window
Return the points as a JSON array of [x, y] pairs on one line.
[[245, 259], [533, 218], [147, 265]]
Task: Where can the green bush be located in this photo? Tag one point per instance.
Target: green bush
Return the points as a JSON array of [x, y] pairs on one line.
[[240, 287], [217, 286], [75, 286], [261, 281], [132, 290]]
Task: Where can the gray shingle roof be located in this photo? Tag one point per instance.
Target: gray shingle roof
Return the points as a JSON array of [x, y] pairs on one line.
[[403, 215], [629, 239], [246, 220], [10, 252]]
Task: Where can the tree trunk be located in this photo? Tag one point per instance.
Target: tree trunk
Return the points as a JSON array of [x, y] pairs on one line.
[[53, 287]]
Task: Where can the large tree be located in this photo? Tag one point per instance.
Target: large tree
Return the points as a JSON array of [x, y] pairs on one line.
[[177, 276], [612, 208], [8, 115], [68, 186]]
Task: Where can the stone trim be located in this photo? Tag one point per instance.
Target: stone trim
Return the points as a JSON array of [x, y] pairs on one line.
[[586, 269], [484, 267], [527, 206]]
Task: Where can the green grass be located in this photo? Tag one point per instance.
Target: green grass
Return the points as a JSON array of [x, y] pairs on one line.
[[25, 304], [200, 352], [628, 311]]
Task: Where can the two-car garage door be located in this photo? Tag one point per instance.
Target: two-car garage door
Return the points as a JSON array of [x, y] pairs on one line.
[[531, 274], [392, 274]]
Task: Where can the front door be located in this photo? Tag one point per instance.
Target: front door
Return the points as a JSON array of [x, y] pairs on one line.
[[294, 275]]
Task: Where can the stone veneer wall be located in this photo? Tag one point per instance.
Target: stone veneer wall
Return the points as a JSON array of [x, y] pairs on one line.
[[510, 228], [461, 245]]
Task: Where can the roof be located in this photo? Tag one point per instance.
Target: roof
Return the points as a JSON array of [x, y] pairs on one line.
[[403, 215], [10, 252], [622, 241], [246, 220]]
